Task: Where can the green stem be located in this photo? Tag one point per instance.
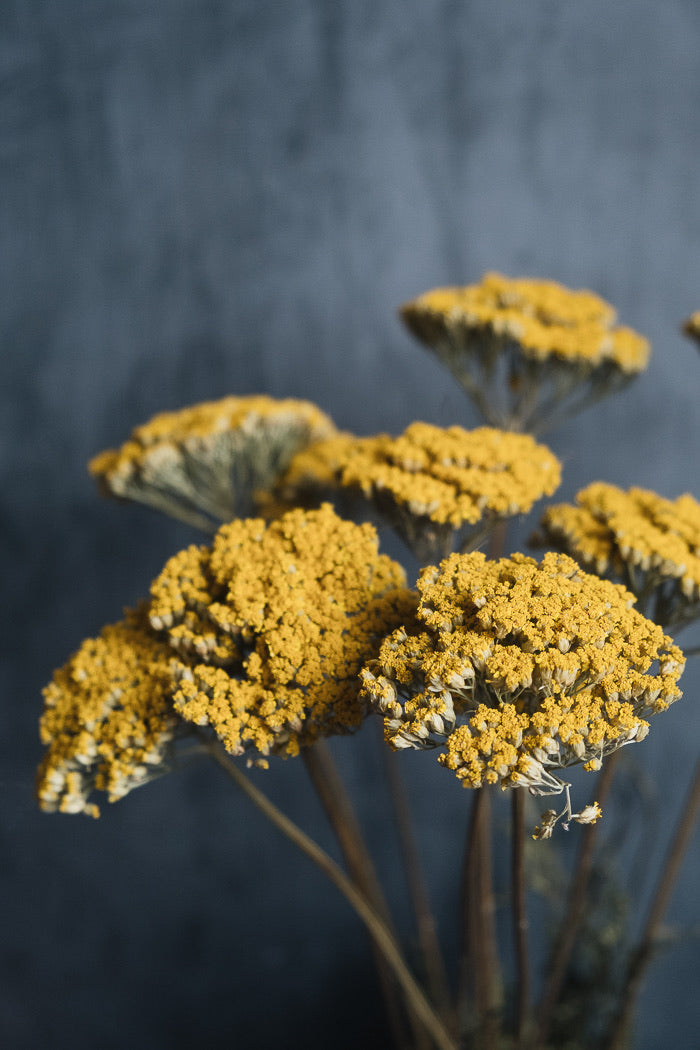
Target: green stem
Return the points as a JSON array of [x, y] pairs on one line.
[[392, 953]]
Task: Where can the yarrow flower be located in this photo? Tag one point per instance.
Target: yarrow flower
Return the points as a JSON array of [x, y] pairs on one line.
[[108, 721], [519, 669], [206, 463], [527, 352], [273, 624], [650, 543], [437, 487], [260, 636]]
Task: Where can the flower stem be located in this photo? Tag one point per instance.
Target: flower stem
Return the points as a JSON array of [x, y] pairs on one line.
[[479, 971], [520, 923], [642, 956], [425, 921], [575, 906], [341, 816], [382, 937]]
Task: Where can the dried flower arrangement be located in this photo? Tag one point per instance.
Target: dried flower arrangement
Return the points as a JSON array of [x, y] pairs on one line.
[[291, 626]]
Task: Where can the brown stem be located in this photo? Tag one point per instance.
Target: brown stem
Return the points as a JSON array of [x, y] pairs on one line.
[[479, 970], [642, 956], [383, 938], [425, 920], [520, 923], [575, 906], [341, 816]]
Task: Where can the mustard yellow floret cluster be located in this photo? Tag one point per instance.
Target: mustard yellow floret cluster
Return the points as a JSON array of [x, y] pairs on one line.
[[205, 463], [260, 636], [651, 543], [521, 668], [526, 350], [543, 317], [432, 484], [108, 720], [274, 623]]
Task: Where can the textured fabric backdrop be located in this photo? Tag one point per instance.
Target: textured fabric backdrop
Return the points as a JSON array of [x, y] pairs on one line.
[[201, 198]]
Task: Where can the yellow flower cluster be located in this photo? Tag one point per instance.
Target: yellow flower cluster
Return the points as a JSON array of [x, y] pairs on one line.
[[108, 720], [274, 624], [521, 668], [652, 544], [532, 342], [205, 463], [435, 486], [260, 636]]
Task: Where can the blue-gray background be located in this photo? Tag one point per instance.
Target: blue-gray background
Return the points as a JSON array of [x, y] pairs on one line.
[[200, 198]]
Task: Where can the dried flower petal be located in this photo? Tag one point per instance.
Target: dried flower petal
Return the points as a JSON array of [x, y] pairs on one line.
[[206, 463], [527, 351], [435, 486], [484, 654]]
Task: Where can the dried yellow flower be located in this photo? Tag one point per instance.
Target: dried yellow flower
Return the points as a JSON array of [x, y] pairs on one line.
[[108, 720], [520, 669], [527, 352], [650, 543], [205, 463], [274, 623], [435, 486]]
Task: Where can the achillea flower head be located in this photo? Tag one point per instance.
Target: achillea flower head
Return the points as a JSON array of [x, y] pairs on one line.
[[437, 487], [528, 352], [650, 543], [205, 464], [691, 327], [520, 669], [108, 720], [274, 623]]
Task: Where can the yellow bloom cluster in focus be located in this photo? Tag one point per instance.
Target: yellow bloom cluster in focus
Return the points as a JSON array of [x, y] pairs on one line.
[[205, 463], [260, 636], [108, 720], [274, 623], [431, 484], [520, 668], [652, 544], [548, 339]]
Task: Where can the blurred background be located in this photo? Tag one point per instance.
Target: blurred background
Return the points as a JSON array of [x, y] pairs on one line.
[[200, 198]]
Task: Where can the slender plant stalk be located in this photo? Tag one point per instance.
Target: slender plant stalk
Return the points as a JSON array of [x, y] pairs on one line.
[[642, 956], [338, 808], [425, 920], [575, 907], [478, 982], [520, 923], [383, 938]]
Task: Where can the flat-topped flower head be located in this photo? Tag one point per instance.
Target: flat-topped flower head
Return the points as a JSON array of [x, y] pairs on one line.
[[274, 623], [691, 327], [108, 721], [519, 669], [528, 352], [437, 487], [205, 464], [650, 543]]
